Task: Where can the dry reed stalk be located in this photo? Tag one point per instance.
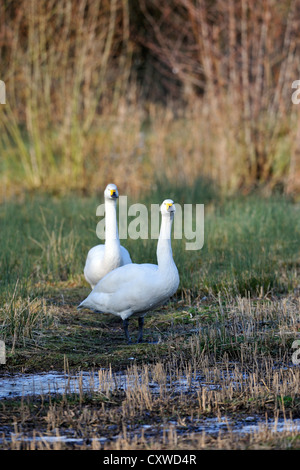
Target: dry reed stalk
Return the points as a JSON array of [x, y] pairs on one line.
[[245, 54], [73, 119]]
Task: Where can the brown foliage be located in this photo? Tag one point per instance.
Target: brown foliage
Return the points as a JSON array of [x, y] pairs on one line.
[[226, 66]]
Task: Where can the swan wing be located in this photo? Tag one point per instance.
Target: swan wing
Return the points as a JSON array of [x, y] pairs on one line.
[[125, 277], [126, 259], [93, 264], [126, 290]]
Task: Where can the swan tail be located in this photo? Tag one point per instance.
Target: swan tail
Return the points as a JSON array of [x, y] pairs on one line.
[[86, 303], [80, 306]]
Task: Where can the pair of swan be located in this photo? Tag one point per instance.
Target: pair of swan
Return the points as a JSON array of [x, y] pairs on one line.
[[102, 259], [121, 287]]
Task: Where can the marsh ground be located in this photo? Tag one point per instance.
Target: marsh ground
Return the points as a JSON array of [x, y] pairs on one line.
[[228, 333]]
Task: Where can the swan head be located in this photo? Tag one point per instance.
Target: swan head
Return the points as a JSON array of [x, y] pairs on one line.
[[168, 208], [111, 191]]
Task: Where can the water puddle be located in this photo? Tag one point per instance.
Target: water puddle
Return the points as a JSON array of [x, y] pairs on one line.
[[210, 426], [52, 439], [248, 425], [22, 385], [39, 384], [58, 383]]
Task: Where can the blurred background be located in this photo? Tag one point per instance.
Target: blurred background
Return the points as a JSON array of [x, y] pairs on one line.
[[184, 99], [144, 92]]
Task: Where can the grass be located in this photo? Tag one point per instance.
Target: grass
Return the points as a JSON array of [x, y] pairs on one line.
[[251, 249], [95, 93], [237, 310], [240, 354]]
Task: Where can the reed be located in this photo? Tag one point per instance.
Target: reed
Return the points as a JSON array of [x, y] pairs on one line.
[[22, 318], [219, 391], [78, 114]]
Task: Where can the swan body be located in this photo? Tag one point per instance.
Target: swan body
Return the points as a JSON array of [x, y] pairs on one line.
[[102, 259], [134, 289]]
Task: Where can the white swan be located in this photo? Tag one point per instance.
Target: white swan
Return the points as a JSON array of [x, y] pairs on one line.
[[102, 259], [138, 288]]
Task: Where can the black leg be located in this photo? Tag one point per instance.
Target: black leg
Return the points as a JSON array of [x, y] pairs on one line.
[[141, 324], [125, 326]]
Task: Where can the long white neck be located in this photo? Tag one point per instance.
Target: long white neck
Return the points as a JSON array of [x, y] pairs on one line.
[[164, 249], [112, 241]]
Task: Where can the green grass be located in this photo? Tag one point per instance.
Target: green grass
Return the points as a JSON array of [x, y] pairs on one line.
[[250, 243], [251, 248]]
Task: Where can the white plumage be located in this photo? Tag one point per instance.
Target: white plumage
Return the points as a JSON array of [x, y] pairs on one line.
[[102, 259], [135, 289]]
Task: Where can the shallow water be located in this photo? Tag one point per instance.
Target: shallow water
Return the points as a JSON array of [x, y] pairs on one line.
[[42, 384], [21, 385], [212, 426]]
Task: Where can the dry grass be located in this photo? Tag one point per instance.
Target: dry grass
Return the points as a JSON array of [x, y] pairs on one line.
[[223, 367], [76, 113], [161, 97], [116, 420]]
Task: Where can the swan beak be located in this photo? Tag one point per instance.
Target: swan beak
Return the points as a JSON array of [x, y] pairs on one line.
[[169, 204], [113, 193]]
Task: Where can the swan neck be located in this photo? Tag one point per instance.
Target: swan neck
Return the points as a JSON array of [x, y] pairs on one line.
[[164, 248], [111, 226]]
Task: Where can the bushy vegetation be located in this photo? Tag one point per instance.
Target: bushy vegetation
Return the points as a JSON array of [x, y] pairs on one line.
[[97, 91]]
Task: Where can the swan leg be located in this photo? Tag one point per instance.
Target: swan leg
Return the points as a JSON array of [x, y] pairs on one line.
[[141, 324], [125, 326]]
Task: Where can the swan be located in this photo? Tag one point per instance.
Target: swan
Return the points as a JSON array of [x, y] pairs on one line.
[[102, 259], [135, 289]]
